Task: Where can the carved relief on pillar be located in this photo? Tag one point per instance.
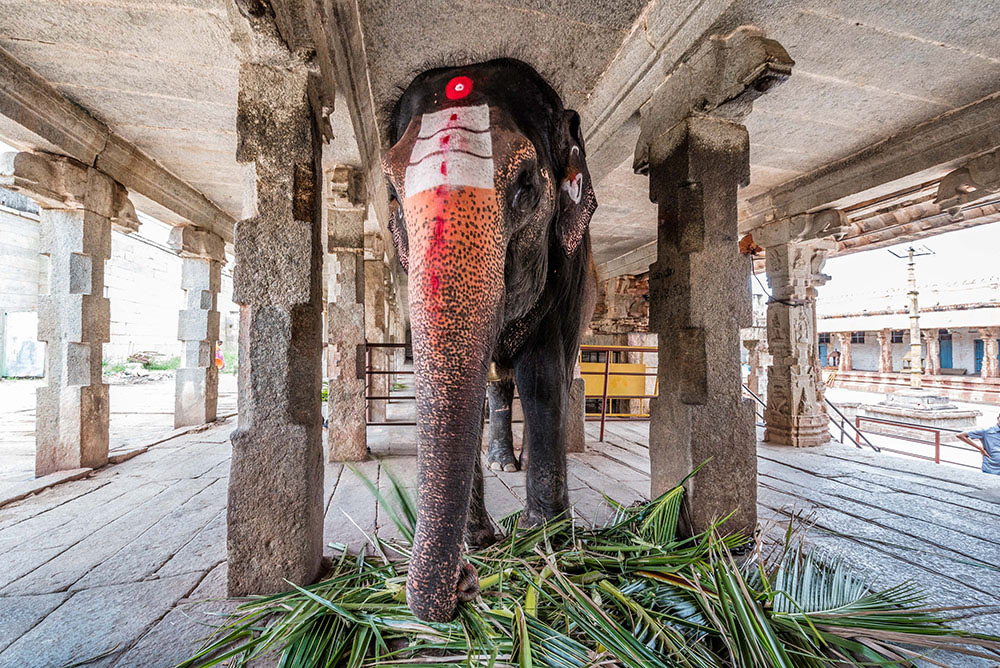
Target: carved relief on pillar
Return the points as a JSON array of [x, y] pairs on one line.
[[846, 363], [932, 338], [885, 350], [991, 364], [796, 411]]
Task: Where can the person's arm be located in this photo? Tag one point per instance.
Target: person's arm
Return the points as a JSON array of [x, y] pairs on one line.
[[965, 437]]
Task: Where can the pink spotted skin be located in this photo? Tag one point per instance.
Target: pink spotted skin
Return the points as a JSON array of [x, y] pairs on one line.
[[498, 261]]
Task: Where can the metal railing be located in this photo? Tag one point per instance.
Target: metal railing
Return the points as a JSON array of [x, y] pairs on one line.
[[603, 417], [937, 431], [389, 396], [857, 439], [605, 377]]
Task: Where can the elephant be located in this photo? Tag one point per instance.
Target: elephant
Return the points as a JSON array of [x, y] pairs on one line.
[[491, 202]]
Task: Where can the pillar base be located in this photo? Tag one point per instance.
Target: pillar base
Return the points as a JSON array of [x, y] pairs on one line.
[[196, 397], [799, 432], [72, 429]]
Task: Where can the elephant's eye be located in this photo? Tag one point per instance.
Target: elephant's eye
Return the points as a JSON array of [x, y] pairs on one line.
[[526, 192]]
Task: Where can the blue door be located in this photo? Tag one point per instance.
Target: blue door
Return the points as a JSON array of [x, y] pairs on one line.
[[979, 355], [946, 354], [822, 354]]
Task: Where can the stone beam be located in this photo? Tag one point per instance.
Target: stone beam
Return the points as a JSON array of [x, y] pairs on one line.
[[721, 78], [919, 154], [972, 181], [31, 102], [661, 36], [335, 26]]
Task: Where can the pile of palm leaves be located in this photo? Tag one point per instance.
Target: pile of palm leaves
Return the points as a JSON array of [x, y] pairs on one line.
[[631, 593]]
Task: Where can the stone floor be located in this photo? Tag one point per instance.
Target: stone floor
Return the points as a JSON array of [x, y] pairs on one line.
[[122, 562], [141, 413]]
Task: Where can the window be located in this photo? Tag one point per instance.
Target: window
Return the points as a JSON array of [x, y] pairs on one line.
[[944, 335], [824, 337], [857, 337], [897, 336], [592, 356]]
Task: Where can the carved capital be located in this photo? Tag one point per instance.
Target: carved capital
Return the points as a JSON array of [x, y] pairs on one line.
[[346, 188], [59, 182], [721, 78], [974, 180], [802, 227], [196, 243]]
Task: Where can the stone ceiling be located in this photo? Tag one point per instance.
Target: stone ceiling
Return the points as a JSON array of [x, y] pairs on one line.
[[163, 74]]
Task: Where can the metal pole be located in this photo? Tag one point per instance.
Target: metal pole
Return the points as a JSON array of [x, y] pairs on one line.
[[937, 447], [604, 400], [916, 365], [368, 383]]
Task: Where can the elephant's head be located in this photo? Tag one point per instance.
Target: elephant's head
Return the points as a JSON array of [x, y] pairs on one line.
[[488, 179]]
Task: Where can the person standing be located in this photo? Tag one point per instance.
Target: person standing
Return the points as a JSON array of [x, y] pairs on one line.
[[990, 437]]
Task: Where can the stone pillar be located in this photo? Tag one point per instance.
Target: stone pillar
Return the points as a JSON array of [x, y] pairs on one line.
[[796, 412], [753, 360], [275, 509], [375, 330], [991, 365], [345, 328], [933, 339], [885, 350], [576, 436], [699, 300], [196, 395], [846, 364], [79, 205]]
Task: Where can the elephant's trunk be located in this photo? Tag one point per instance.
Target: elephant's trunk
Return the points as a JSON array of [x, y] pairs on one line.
[[456, 256]]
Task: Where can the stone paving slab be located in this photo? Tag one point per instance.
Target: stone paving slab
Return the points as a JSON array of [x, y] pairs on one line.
[[129, 555]]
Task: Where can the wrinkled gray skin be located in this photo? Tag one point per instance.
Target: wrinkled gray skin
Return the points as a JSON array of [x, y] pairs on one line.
[[495, 274]]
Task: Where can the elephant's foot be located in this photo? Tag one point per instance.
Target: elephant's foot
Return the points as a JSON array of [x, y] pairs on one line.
[[501, 458], [468, 583], [531, 518], [480, 536]]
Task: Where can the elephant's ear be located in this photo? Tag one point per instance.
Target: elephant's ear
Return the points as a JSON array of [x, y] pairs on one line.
[[577, 201], [397, 228]]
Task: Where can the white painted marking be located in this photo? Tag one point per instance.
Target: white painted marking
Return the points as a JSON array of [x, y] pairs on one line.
[[476, 143], [574, 187], [462, 170], [475, 118], [466, 154]]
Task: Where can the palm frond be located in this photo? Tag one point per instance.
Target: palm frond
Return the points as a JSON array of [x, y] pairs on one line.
[[564, 595]]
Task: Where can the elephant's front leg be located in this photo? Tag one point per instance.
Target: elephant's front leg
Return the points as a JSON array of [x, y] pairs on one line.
[[544, 388], [479, 530], [500, 454]]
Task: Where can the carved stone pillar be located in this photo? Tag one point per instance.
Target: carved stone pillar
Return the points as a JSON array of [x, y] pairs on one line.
[[699, 300], [933, 339], [753, 360], [375, 330], [846, 363], [991, 365], [196, 396], [275, 509], [796, 412], [345, 326], [885, 350], [79, 205]]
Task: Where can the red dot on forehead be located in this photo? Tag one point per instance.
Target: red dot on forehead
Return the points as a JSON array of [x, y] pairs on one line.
[[458, 88]]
